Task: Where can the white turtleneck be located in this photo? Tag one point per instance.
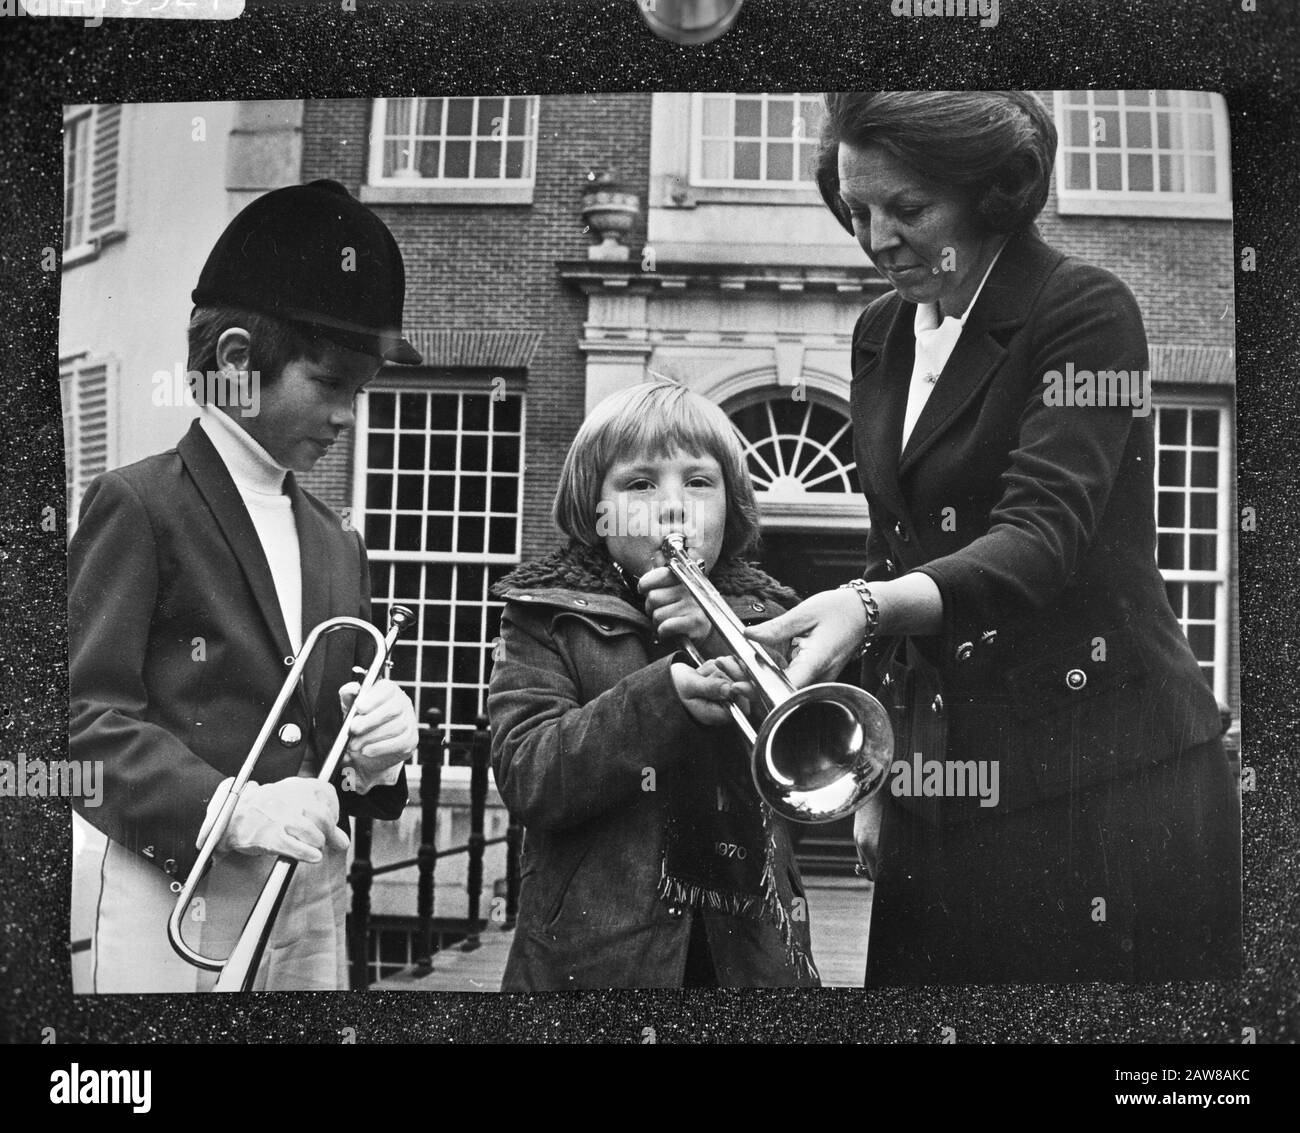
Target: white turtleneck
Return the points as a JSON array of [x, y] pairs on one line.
[[260, 480]]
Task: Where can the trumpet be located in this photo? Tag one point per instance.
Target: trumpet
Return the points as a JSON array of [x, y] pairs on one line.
[[239, 968], [822, 751]]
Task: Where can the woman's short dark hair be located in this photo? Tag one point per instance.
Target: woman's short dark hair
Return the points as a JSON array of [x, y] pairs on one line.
[[995, 147], [272, 343]]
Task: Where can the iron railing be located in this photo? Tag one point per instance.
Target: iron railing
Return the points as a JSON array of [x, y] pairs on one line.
[[433, 743]]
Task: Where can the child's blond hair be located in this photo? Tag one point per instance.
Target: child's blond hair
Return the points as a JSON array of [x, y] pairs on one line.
[[655, 418]]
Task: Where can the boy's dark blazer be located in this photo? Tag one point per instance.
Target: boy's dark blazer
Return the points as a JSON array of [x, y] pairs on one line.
[[1060, 656], [177, 646]]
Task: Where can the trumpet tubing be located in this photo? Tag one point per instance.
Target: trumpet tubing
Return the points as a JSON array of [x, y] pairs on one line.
[[822, 751], [240, 967]]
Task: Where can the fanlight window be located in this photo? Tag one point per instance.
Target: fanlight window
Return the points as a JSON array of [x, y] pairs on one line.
[[796, 448]]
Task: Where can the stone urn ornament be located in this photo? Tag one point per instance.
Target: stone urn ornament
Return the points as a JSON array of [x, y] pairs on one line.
[[610, 211], [689, 21]]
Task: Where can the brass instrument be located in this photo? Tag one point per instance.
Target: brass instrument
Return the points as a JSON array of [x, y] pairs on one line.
[[239, 968], [822, 751]]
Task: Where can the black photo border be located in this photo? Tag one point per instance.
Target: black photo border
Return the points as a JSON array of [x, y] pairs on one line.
[[549, 46]]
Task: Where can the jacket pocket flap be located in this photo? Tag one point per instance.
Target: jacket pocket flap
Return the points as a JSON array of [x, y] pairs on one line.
[[604, 626], [1088, 668]]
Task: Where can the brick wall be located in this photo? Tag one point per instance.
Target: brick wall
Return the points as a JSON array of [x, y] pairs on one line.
[[1180, 271], [478, 267]]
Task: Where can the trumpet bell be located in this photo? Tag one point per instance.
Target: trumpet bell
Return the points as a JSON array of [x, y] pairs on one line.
[[822, 752]]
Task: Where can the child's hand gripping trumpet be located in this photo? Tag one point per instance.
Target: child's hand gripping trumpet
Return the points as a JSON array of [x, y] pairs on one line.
[[715, 689]]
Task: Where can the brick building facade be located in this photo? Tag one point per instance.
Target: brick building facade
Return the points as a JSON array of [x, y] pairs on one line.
[[736, 281]]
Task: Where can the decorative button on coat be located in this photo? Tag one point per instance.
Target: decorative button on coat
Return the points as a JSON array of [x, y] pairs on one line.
[[1076, 679], [290, 735]]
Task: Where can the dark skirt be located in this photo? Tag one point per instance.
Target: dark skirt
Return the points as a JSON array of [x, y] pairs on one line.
[[1138, 879]]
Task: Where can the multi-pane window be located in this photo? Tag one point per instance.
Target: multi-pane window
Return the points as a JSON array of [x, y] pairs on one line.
[[90, 175], [438, 501], [1147, 152], [1192, 491], [441, 140], [759, 140]]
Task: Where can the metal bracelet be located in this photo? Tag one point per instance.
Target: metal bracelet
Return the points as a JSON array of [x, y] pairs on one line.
[[863, 591]]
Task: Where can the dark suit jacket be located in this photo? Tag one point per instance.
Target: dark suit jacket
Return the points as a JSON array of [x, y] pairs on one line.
[[177, 646], [1060, 656]]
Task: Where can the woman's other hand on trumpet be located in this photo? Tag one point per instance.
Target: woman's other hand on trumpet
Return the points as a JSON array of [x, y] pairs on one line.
[[706, 692], [820, 636], [824, 633], [382, 734]]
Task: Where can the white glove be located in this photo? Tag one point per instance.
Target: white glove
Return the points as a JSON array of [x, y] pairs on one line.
[[295, 817], [382, 736]]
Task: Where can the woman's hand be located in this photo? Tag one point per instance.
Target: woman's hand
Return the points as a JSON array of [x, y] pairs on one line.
[[672, 609], [866, 832], [820, 635], [706, 692]]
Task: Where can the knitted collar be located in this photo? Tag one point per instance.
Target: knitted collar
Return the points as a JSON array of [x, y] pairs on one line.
[[590, 570]]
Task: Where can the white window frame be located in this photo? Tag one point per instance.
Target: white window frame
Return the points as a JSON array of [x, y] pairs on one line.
[[380, 557], [761, 184], [1154, 202], [1224, 525], [94, 239], [74, 369], [380, 189]]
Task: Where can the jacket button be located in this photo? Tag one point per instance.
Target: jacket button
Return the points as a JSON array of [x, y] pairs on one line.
[[580, 601], [169, 866], [675, 911], [890, 567], [1076, 679], [290, 735], [757, 607], [523, 597], [900, 531], [605, 625], [936, 705], [988, 636], [886, 681], [964, 650]]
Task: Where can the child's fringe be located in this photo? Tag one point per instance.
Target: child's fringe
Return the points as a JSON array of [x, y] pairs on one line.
[[800, 960], [733, 904]]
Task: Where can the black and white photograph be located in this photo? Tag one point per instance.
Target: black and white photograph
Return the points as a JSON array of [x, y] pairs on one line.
[[794, 536], [649, 522]]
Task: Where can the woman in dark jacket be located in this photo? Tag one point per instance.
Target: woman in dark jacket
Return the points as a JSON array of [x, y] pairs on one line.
[[1060, 807], [648, 858]]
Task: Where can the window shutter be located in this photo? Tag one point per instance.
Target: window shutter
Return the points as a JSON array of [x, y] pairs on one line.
[[87, 435], [104, 171]]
